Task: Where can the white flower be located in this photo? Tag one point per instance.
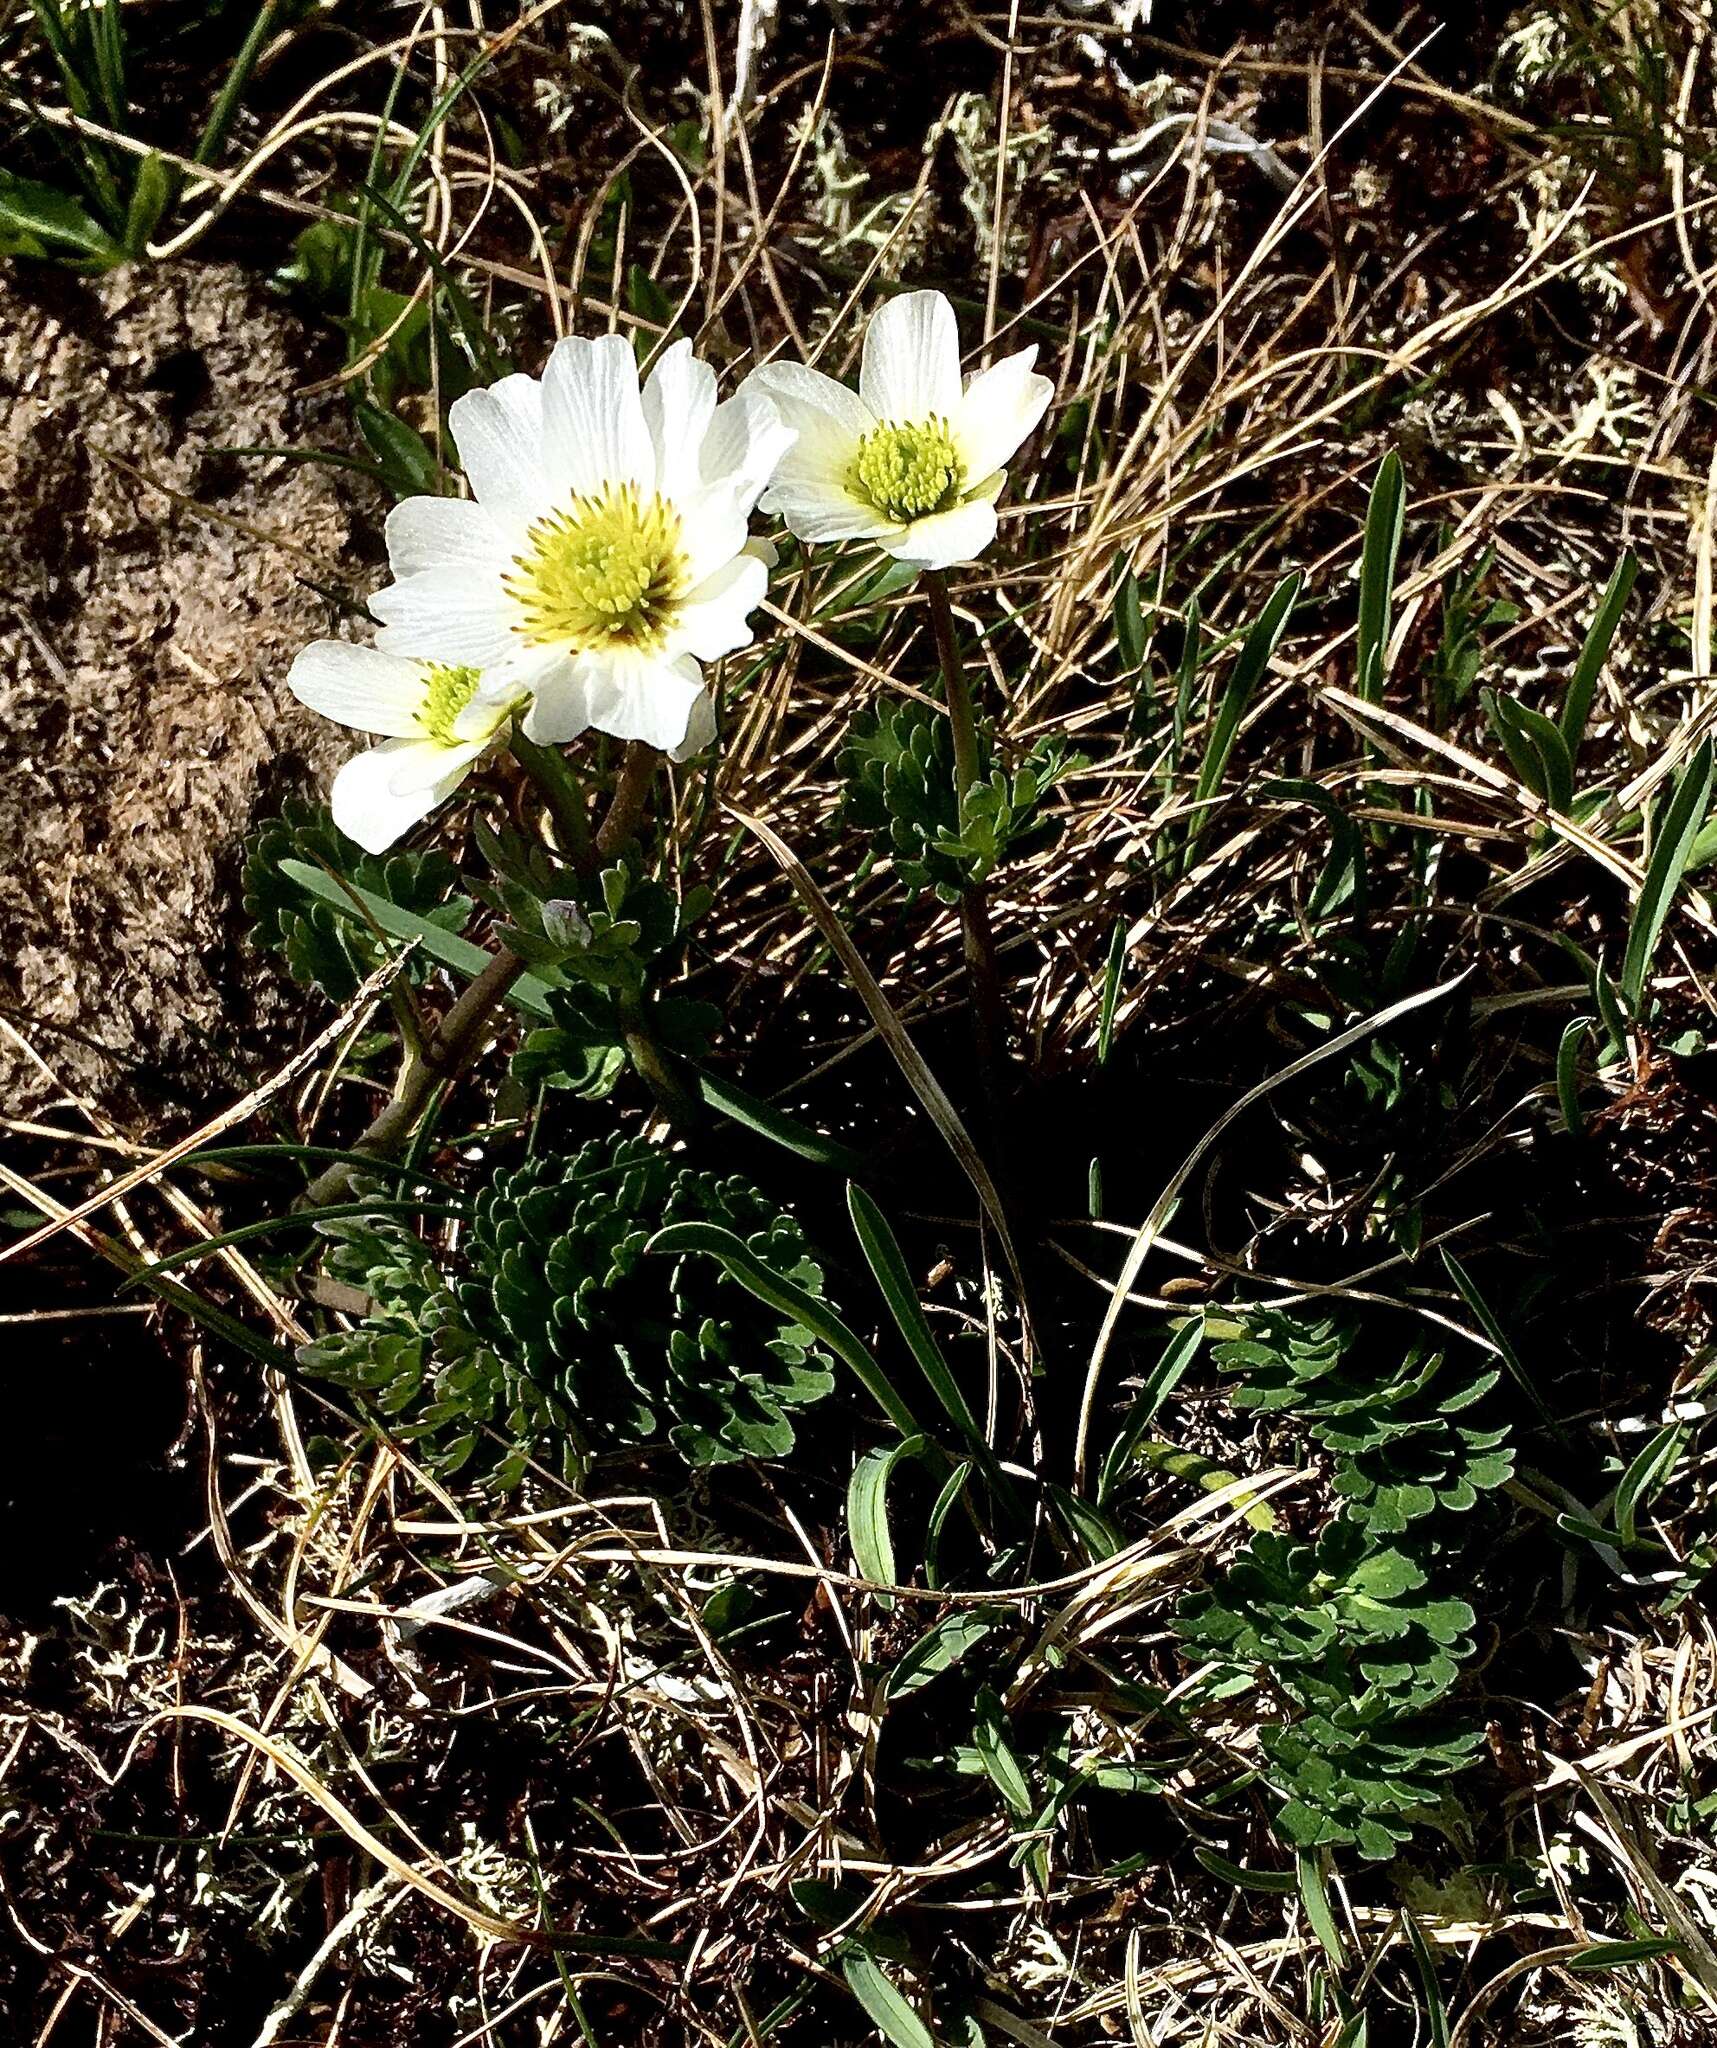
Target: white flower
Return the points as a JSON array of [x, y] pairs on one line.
[[911, 460], [437, 721], [603, 556]]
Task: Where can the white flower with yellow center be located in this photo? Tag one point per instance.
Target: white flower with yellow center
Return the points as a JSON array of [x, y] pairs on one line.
[[603, 555], [912, 459], [437, 721]]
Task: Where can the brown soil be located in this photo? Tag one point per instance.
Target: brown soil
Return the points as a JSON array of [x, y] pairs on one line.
[[144, 644]]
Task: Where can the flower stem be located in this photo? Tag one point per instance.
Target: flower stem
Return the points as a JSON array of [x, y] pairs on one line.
[[960, 713], [626, 808], [445, 1053], [448, 1050], [989, 1010], [657, 1068]]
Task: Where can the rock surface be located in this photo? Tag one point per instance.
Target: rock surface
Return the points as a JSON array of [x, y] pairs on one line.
[[144, 645]]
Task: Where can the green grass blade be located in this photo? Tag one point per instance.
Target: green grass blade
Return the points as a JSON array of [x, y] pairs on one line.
[[283, 1150], [1436, 2012], [462, 955], [996, 1754], [107, 46], [776, 1125], [946, 1502], [1241, 1878], [40, 220], [1536, 750], [54, 33], [1568, 1073], [1600, 635], [232, 89], [1384, 519], [1671, 847], [1111, 991], [1186, 676], [867, 1513], [938, 1649], [1314, 1896], [1616, 1955], [299, 1219], [477, 336], [1646, 1477], [1255, 653], [882, 1254], [1610, 1014], [1468, 1291], [409, 466], [149, 199], [1129, 621], [870, 1984], [1160, 1382]]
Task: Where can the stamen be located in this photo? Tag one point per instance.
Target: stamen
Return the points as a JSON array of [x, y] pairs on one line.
[[908, 470], [607, 571], [446, 692]]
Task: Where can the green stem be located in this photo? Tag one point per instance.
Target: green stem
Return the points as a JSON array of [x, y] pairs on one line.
[[448, 1050], [626, 808], [989, 1010], [960, 713]]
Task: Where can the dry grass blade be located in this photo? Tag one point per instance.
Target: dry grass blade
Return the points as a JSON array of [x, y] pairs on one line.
[[489, 1925], [237, 1113]]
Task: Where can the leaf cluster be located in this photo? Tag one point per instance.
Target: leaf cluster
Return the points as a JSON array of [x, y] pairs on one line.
[[323, 947], [1353, 1634], [1401, 1440], [898, 764], [555, 1335], [600, 939]]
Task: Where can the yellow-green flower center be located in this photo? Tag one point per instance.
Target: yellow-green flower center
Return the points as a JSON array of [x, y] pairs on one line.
[[446, 692], [607, 571], [909, 470]]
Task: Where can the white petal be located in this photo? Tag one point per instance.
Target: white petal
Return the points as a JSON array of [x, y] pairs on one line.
[[635, 697], [700, 729], [911, 365], [764, 549], [1000, 407], [359, 686], [443, 533], [499, 435], [458, 616], [679, 403], [426, 764], [491, 704], [366, 806], [946, 538], [816, 509], [713, 529], [829, 419], [560, 700], [593, 418], [748, 440], [715, 619], [809, 488]]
